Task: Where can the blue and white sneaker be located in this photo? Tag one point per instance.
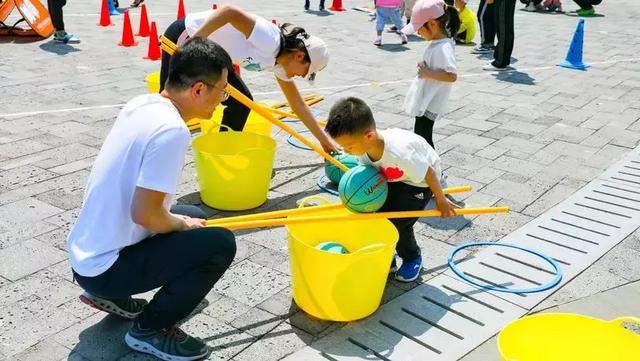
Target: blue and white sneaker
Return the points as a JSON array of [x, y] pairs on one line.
[[409, 271]]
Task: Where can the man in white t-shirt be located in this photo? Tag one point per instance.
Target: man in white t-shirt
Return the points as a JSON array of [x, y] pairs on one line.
[[411, 166], [127, 239]]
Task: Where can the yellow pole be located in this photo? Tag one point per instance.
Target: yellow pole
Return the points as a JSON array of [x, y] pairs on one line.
[[353, 217], [283, 113], [304, 210], [267, 114]]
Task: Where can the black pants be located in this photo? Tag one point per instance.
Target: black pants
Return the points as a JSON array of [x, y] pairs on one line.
[[235, 114], [487, 20], [505, 10], [185, 264], [405, 197], [587, 4], [424, 128], [55, 11]]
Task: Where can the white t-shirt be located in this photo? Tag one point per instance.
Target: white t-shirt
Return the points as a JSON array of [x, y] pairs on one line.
[[145, 148], [406, 157], [427, 94], [256, 53]]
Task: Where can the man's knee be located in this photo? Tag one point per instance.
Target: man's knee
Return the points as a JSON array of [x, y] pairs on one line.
[[220, 244]]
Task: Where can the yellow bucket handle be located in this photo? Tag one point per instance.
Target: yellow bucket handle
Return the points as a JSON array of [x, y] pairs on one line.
[[370, 248], [321, 199], [620, 320]]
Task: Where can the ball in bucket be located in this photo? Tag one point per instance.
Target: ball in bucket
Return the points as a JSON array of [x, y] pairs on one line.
[[334, 173], [332, 247], [363, 189]]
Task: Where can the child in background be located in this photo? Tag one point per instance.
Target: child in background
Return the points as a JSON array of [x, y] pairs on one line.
[[411, 166], [586, 7], [388, 11], [307, 5], [468, 19], [429, 91], [553, 5]]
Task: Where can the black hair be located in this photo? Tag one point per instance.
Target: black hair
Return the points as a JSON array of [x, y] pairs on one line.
[[291, 39], [199, 59], [449, 21], [349, 116]]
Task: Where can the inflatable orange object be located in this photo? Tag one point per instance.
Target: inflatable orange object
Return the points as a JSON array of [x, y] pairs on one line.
[[33, 13]]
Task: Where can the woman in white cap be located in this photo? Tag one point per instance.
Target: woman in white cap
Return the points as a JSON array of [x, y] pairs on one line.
[[257, 44]]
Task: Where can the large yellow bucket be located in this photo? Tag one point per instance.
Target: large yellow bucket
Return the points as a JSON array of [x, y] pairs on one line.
[[568, 337], [234, 169], [341, 287], [255, 122]]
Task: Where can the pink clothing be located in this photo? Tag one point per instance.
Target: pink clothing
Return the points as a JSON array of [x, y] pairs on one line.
[[552, 2], [388, 3]]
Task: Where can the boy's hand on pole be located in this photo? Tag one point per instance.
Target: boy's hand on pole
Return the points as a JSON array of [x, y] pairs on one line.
[[446, 207]]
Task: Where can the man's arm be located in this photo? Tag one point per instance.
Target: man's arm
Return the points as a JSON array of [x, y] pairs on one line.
[[149, 212]]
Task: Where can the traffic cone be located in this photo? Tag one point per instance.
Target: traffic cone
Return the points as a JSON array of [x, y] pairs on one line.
[[105, 19], [154, 45], [236, 68], [273, 21], [127, 32], [336, 6], [214, 6], [112, 8], [574, 55], [143, 29], [181, 13]]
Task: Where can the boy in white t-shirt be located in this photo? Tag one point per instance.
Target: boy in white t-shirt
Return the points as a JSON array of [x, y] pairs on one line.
[[411, 166], [127, 239]]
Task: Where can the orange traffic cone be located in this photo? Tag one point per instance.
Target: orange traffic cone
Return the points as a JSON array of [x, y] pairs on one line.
[[105, 18], [127, 32], [181, 13], [154, 45], [143, 29], [336, 6]]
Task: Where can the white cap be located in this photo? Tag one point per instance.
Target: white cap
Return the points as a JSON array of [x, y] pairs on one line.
[[318, 53]]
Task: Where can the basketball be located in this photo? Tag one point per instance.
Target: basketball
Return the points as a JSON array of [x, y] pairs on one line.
[[332, 247], [363, 189], [334, 173]]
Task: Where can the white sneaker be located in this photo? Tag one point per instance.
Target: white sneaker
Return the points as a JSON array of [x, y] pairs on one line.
[[403, 39], [491, 67], [377, 41], [531, 7]]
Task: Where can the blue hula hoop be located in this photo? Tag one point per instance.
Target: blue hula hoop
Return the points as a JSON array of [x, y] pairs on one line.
[[321, 182], [293, 142], [551, 284]]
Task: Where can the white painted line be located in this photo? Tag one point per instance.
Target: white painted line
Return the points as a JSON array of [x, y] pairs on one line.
[[314, 89]]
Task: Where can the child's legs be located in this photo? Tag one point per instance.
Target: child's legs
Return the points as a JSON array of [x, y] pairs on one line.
[[424, 128], [587, 4], [404, 197], [396, 18], [381, 17]]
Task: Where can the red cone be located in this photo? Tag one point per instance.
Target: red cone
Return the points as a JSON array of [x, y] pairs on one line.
[[236, 68], [214, 6], [143, 29], [105, 18], [336, 6], [127, 32], [181, 13], [274, 21], [154, 45]]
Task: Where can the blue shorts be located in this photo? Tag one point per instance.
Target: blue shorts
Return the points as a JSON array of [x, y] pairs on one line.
[[388, 16]]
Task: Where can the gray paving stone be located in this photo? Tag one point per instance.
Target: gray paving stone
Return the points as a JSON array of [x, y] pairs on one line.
[[43, 351], [25, 211], [275, 260], [226, 309], [282, 341], [257, 322], [251, 283], [224, 340], [23, 176], [39, 255]]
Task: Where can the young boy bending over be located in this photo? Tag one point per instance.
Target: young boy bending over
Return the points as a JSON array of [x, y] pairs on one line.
[[411, 166]]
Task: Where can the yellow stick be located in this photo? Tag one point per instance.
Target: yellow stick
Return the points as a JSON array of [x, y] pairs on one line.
[[267, 114], [292, 115], [304, 210], [353, 217]]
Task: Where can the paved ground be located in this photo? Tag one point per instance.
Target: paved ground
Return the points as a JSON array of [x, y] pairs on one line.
[[527, 139]]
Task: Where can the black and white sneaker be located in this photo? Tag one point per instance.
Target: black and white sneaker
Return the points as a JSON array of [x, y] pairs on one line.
[[171, 344], [482, 49], [128, 308]]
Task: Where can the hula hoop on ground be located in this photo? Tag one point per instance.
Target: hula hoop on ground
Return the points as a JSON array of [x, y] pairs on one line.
[[554, 282], [296, 143], [322, 184]]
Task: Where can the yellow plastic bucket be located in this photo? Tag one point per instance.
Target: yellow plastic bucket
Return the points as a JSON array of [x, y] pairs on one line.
[[568, 337], [255, 122], [234, 169], [341, 287]]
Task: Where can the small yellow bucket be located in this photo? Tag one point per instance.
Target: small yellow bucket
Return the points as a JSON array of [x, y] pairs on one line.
[[153, 82], [234, 168], [568, 337], [341, 287], [255, 122]]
